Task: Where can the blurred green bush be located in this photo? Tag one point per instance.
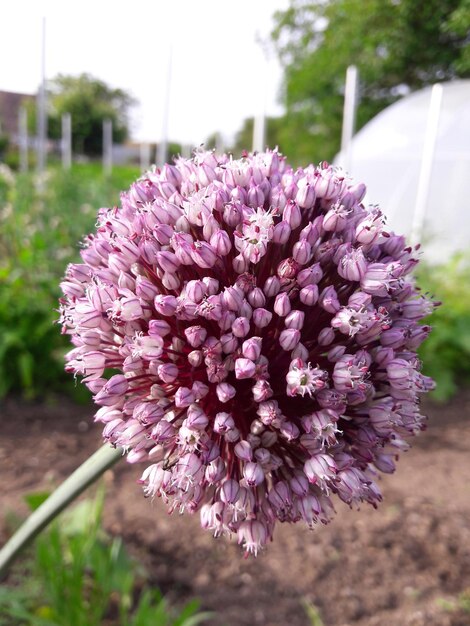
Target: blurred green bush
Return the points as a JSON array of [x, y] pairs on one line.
[[40, 234], [446, 352]]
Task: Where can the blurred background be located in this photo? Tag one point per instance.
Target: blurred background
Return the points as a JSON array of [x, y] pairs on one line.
[[90, 96]]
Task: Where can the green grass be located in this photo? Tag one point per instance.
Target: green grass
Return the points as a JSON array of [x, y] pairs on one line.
[[79, 576]]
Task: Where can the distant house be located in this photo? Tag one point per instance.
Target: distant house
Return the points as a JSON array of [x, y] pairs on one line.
[[10, 105]]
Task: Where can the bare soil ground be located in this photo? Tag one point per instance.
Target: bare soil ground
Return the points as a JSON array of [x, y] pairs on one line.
[[405, 564]]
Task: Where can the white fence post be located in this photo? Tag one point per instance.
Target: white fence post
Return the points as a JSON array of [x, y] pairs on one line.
[[107, 147], [424, 180], [349, 116], [66, 144], [23, 138]]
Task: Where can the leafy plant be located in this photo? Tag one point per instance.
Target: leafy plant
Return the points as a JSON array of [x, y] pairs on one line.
[[39, 236], [82, 577], [446, 352]]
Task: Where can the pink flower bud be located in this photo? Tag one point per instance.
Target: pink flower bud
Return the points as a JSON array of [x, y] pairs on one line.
[[292, 215], [184, 397], [282, 305], [168, 372], [199, 389], [272, 286], [240, 327], [281, 232], [225, 392], [240, 264], [289, 430], [305, 197], [223, 422], [229, 343], [145, 289], [310, 275], [194, 290], [168, 261], [158, 328], [289, 339], [211, 285], [261, 391], [309, 295], [262, 317], [300, 352], [295, 319], [163, 233], [197, 419], [232, 215], [164, 431], [328, 300], [203, 254], [256, 298], [195, 358], [302, 252], [165, 305], [221, 243], [230, 491], [196, 335], [287, 268], [244, 451], [246, 310], [253, 474], [215, 471], [326, 336], [232, 298], [244, 368], [251, 348]]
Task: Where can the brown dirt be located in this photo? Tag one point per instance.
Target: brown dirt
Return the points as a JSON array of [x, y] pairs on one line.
[[405, 564]]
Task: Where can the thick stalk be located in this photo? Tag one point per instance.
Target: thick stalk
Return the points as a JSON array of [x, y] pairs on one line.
[[71, 488]]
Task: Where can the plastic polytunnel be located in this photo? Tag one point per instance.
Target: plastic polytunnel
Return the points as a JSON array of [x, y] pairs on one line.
[[414, 158]]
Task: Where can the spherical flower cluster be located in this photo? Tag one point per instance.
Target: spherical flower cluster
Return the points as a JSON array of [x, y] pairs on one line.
[[258, 329]]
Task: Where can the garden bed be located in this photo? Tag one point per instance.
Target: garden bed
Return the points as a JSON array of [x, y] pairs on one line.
[[405, 564]]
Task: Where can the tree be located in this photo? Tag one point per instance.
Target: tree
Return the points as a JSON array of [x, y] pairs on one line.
[[89, 101], [397, 45]]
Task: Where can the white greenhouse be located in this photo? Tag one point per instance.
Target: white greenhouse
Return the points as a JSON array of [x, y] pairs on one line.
[[415, 160]]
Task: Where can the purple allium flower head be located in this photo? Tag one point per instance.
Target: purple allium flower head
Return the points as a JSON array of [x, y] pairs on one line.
[[264, 328]]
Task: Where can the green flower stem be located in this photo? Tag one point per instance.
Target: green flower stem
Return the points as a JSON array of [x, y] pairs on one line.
[[71, 488]]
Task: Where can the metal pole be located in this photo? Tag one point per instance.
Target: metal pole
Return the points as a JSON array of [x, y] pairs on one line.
[[144, 156], [41, 111], [349, 115], [107, 147], [424, 180], [162, 145], [23, 138], [219, 143], [66, 141], [259, 132], [259, 121]]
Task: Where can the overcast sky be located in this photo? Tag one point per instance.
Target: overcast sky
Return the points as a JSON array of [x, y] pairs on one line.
[[220, 74]]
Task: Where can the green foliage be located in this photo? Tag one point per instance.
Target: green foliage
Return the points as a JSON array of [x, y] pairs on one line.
[[397, 47], [82, 577], [39, 236], [446, 352]]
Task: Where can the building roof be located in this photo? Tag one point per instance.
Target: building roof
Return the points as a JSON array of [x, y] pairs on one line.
[[10, 104]]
